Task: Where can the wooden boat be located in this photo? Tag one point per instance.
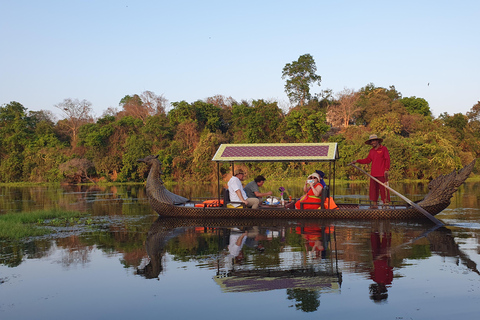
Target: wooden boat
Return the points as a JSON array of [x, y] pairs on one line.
[[168, 204]]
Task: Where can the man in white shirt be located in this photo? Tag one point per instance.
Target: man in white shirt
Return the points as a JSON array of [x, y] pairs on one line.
[[237, 194]]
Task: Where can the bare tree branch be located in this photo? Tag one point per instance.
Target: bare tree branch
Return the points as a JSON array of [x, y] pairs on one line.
[[77, 113], [344, 110]]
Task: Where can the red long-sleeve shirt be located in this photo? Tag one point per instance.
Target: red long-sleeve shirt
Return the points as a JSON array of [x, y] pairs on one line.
[[380, 159]]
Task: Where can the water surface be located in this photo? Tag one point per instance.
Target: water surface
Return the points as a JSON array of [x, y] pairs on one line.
[[135, 265]]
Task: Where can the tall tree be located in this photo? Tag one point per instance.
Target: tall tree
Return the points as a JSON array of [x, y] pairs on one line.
[[156, 104], [221, 101], [344, 110], [76, 113], [16, 131], [300, 76], [264, 122], [44, 153], [143, 106], [226, 104]]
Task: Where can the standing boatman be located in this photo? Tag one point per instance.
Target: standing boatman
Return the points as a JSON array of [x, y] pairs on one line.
[[380, 159]]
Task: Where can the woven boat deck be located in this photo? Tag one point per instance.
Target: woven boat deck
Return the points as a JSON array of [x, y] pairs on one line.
[[350, 212]]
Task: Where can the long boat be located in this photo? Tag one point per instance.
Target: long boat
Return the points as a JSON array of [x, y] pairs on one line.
[[168, 204]]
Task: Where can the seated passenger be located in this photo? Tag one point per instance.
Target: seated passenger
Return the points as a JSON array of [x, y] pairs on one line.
[[236, 192], [252, 188], [313, 192]]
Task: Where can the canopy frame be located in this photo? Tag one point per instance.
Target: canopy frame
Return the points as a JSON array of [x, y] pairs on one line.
[[278, 152]]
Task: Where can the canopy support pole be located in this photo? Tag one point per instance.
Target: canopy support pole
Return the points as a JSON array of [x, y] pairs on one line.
[[218, 181]]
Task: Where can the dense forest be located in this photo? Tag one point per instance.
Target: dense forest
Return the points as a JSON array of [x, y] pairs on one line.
[[79, 148]]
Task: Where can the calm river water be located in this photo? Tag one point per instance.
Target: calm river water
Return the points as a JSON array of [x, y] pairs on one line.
[[126, 263]]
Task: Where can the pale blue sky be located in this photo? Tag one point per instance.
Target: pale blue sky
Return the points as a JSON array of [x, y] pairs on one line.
[[189, 50]]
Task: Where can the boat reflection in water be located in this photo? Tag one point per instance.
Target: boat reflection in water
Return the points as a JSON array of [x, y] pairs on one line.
[[313, 268], [303, 257]]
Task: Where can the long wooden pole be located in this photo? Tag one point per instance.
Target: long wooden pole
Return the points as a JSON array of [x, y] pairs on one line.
[[410, 202]]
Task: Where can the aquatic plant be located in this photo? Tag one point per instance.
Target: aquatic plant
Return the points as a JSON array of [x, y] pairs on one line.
[[18, 225]]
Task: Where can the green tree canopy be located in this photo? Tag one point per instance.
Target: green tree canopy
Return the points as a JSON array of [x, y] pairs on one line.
[[16, 133], [376, 101], [416, 105], [259, 122], [458, 122], [306, 124]]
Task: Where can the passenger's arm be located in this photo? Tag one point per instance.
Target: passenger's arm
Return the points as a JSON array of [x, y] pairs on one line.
[[317, 191], [260, 194], [239, 194]]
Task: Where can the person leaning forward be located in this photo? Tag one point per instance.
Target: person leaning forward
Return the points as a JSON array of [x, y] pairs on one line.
[[252, 188], [236, 192], [380, 159]]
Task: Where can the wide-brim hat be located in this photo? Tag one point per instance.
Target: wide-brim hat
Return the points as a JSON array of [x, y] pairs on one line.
[[315, 175], [373, 137]]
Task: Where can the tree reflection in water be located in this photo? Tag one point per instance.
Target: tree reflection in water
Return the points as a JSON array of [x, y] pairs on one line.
[[307, 300]]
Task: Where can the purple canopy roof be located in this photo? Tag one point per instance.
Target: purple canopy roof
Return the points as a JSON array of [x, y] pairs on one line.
[[266, 152]]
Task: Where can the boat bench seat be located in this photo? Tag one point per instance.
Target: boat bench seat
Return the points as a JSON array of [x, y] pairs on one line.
[[325, 195], [227, 202]]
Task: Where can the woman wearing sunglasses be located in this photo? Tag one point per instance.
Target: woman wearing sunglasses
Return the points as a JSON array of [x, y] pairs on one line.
[[313, 192]]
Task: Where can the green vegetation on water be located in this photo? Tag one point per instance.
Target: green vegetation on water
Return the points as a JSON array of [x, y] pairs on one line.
[[18, 225]]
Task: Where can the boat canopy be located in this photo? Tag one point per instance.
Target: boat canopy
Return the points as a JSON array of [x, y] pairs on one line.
[[277, 152]]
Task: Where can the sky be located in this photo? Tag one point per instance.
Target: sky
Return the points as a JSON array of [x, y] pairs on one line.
[[101, 50]]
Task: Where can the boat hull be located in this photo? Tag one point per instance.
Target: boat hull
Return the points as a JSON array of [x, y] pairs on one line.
[[350, 212]]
